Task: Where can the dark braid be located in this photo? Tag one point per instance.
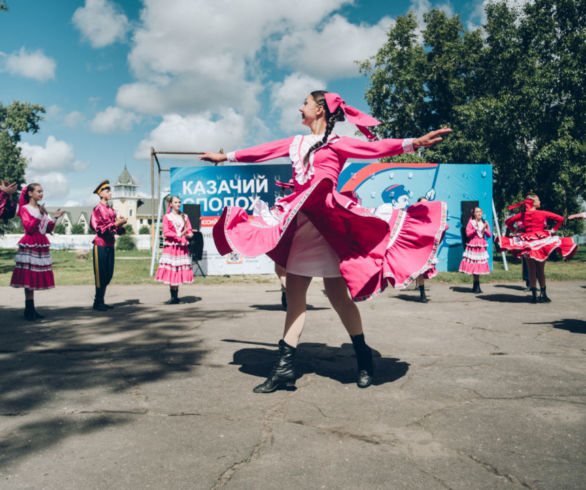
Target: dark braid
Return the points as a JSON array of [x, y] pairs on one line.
[[331, 120]]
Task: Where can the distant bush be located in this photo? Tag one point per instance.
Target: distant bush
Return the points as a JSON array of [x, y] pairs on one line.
[[77, 229], [129, 229], [125, 242], [144, 230], [59, 229]]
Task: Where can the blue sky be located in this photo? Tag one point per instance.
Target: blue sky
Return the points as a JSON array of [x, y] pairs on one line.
[[118, 77]]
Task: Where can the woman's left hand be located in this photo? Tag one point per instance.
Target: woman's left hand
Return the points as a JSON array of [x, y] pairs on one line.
[[431, 138], [58, 214]]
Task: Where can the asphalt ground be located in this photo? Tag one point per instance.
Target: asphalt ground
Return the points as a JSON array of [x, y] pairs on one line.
[[472, 391]]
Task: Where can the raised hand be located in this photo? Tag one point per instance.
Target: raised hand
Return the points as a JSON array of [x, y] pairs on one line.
[[8, 187], [431, 138], [214, 157]]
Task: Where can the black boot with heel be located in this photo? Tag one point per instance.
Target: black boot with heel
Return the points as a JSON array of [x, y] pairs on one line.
[[364, 361], [283, 372], [543, 297]]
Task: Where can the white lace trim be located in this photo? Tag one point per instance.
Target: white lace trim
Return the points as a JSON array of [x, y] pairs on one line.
[[45, 218], [408, 145], [177, 221], [297, 151]]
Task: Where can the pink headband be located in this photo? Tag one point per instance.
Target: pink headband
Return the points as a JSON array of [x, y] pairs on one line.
[[22, 199], [353, 115], [526, 202]]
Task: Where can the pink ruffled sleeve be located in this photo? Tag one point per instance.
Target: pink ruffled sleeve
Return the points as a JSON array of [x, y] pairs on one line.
[[169, 230], [355, 148], [510, 222], [262, 153], [487, 231], [554, 217]]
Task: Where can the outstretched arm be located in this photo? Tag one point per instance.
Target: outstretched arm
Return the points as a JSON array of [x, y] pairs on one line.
[[260, 153]]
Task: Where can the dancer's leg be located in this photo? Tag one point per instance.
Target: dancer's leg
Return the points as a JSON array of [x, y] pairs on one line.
[[532, 272], [337, 292], [296, 305]]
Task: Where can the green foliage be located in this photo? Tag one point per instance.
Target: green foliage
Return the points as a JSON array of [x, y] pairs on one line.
[[59, 229], [77, 229], [15, 119], [513, 91], [144, 230], [129, 229], [125, 242]]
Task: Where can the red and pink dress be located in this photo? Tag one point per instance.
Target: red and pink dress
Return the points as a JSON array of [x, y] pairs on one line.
[[7, 206], [175, 264], [318, 232], [33, 259], [537, 242], [475, 257]]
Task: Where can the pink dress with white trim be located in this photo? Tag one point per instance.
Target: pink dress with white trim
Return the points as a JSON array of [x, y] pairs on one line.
[[370, 252], [175, 263], [537, 242], [33, 268], [475, 256]]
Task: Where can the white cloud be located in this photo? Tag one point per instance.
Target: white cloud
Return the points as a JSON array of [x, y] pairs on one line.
[[195, 133], [288, 96], [191, 56], [31, 64], [331, 52], [114, 119], [101, 22], [53, 156], [74, 119], [55, 184], [71, 203]]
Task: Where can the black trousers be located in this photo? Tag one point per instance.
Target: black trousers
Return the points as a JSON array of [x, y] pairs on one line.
[[103, 265]]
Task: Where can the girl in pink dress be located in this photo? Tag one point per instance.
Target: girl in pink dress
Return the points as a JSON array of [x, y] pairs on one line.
[[536, 243], [475, 257], [33, 259], [318, 232], [175, 264]]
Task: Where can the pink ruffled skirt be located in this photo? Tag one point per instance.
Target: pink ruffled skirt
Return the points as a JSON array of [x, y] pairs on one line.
[[175, 265], [33, 268]]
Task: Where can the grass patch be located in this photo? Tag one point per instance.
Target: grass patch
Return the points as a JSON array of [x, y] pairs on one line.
[[132, 267]]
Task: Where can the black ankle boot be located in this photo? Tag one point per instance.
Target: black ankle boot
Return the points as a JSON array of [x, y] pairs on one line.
[[422, 297], [29, 310], [99, 300], [174, 297], [543, 298], [283, 372], [533, 295], [476, 289], [364, 361], [36, 314]]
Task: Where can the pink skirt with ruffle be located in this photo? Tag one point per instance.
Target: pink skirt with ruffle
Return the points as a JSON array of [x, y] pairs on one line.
[[372, 252], [33, 268], [538, 246], [175, 265]]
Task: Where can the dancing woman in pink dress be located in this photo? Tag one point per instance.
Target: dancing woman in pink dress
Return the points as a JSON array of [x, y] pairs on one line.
[[536, 243], [475, 257], [175, 264], [33, 269], [318, 232]]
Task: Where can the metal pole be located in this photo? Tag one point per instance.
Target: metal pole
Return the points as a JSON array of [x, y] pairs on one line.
[[157, 229], [152, 197], [498, 234]]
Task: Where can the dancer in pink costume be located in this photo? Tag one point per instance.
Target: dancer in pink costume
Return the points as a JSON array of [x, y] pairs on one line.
[[475, 257], [33, 269], [175, 264], [7, 205], [319, 232], [537, 243]]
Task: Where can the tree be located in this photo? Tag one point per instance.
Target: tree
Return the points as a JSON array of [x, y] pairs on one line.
[[77, 229], [59, 229], [15, 119], [144, 230], [125, 242], [513, 91]]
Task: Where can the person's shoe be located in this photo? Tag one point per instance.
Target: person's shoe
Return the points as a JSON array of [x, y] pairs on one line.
[[29, 310], [283, 372], [100, 307], [284, 300], [37, 315], [422, 297], [109, 307], [364, 361], [543, 297], [534, 295]]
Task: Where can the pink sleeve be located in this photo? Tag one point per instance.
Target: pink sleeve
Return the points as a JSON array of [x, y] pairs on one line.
[[509, 221], [168, 228], [188, 228], [264, 152], [29, 223], [100, 223], [487, 231], [555, 217], [470, 230], [355, 148], [51, 225]]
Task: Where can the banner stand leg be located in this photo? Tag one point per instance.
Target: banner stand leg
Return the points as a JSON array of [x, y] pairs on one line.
[[498, 234]]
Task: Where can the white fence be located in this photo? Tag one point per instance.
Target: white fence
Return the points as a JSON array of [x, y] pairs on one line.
[[72, 242]]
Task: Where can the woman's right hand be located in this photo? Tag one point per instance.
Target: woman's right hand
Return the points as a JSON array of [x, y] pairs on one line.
[[214, 157]]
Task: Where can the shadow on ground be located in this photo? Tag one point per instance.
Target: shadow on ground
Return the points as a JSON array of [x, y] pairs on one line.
[[278, 307], [510, 286], [504, 298], [569, 324], [337, 363], [79, 350]]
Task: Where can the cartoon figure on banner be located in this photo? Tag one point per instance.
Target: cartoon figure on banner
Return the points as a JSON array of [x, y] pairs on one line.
[[234, 258]]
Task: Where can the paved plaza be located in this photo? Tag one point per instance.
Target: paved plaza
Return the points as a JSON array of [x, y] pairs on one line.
[[471, 392]]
